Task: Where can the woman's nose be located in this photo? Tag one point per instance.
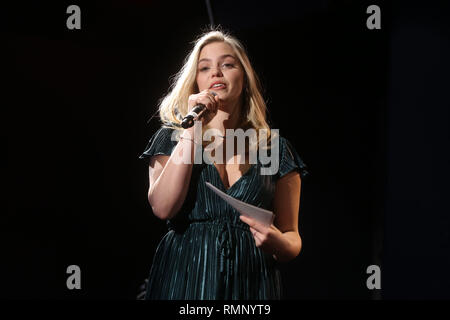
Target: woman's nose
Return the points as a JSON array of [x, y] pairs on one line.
[[217, 71]]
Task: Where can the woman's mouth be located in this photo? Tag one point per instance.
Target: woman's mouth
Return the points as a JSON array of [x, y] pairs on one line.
[[218, 86]]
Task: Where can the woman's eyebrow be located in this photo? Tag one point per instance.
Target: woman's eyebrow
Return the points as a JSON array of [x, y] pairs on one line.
[[221, 57]]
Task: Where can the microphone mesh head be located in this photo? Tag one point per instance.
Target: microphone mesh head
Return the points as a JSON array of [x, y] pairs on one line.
[[187, 122]]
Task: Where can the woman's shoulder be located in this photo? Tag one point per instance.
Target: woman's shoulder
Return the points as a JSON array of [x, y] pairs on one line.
[[163, 132], [161, 142], [289, 158]]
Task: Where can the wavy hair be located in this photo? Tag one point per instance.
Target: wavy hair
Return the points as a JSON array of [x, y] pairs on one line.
[[174, 105]]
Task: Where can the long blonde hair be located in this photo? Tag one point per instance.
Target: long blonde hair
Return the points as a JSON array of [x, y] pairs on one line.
[[174, 106]]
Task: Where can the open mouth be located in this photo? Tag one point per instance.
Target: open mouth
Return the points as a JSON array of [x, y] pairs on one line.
[[218, 86]]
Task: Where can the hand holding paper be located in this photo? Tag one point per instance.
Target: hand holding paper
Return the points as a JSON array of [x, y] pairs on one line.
[[261, 215]]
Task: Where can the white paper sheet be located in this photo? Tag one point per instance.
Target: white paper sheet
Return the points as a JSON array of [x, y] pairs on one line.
[[262, 215]]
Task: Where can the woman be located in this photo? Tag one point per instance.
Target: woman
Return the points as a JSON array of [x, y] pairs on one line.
[[210, 251]]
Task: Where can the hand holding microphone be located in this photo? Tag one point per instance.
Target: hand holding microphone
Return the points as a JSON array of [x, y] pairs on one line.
[[198, 104]]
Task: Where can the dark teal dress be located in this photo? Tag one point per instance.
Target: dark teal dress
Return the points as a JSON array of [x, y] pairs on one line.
[[208, 252]]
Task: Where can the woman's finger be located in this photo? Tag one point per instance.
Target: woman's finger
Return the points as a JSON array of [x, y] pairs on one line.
[[256, 236], [214, 97], [253, 223], [211, 101]]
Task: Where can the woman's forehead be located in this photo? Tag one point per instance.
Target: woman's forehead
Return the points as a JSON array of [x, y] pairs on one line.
[[216, 50]]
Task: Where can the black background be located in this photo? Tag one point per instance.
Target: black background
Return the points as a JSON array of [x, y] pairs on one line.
[[365, 109]]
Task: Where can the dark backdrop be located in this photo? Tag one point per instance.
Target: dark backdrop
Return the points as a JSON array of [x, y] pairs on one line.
[[78, 104]]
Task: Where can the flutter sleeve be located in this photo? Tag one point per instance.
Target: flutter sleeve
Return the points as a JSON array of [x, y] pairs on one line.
[[159, 144], [290, 160]]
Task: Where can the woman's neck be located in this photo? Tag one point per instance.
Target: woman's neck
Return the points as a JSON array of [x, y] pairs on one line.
[[225, 119]]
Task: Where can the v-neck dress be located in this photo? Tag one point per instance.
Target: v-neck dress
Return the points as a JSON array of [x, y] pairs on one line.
[[208, 252]]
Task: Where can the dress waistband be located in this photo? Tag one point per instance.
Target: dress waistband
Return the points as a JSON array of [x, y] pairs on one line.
[[225, 241], [222, 223]]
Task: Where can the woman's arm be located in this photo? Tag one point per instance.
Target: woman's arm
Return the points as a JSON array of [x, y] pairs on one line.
[[286, 208], [282, 238], [170, 177]]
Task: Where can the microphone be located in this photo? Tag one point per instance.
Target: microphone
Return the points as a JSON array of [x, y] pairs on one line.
[[188, 120]]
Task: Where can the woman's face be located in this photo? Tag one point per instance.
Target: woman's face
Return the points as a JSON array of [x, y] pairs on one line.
[[219, 70]]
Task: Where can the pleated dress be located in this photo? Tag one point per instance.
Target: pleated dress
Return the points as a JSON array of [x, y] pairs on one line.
[[208, 253]]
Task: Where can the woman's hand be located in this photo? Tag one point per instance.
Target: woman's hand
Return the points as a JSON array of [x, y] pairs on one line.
[[207, 98], [269, 239]]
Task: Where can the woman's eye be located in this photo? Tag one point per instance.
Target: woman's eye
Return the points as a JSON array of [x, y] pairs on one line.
[[223, 66]]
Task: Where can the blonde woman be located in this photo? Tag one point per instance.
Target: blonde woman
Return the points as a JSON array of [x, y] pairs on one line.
[[210, 250]]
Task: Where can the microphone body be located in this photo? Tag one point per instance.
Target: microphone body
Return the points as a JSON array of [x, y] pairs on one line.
[[188, 120]]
